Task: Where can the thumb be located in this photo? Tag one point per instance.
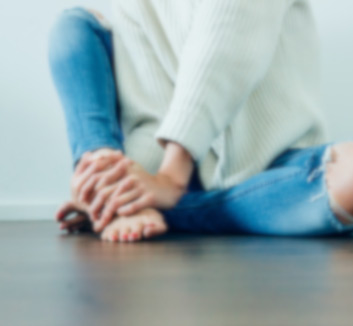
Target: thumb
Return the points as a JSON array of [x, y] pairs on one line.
[[64, 210]]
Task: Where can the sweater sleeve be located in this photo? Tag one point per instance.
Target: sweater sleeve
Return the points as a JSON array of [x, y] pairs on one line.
[[228, 51]]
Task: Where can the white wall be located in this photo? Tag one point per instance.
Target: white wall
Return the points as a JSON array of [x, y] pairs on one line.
[[334, 19], [35, 166], [35, 159]]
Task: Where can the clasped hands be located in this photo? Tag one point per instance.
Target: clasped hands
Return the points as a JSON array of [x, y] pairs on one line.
[[107, 184]]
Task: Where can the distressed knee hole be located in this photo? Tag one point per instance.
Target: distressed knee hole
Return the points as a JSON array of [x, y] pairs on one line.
[[339, 181]]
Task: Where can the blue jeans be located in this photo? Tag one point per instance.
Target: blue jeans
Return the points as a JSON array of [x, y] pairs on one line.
[[288, 198], [81, 62]]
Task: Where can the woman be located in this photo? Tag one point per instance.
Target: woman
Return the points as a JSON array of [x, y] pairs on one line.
[[198, 116]]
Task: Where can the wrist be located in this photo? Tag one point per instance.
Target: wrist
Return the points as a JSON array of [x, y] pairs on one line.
[[177, 165]]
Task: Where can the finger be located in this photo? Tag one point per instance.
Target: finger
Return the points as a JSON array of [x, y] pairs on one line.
[[125, 184], [114, 174], [83, 163], [105, 178], [146, 201], [74, 222], [95, 167], [88, 187], [64, 210], [113, 204], [117, 201], [90, 157], [99, 200], [102, 196], [107, 152]]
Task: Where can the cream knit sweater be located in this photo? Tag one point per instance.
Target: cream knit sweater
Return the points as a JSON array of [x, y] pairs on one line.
[[235, 82]]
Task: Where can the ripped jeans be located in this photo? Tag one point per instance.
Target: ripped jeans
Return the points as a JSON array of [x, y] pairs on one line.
[[288, 198]]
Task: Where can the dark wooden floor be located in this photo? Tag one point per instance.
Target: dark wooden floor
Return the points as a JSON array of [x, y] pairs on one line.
[[48, 278]]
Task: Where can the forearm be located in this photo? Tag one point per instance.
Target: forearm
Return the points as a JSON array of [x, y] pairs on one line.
[[177, 164]]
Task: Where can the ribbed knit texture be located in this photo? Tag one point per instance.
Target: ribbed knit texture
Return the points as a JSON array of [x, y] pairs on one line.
[[235, 82]]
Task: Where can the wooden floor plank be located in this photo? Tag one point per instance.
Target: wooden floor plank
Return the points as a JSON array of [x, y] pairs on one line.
[[51, 279]]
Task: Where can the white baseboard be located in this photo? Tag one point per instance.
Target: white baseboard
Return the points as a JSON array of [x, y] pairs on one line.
[[28, 211]]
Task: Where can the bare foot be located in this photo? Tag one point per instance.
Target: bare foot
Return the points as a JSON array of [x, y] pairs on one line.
[[147, 223]]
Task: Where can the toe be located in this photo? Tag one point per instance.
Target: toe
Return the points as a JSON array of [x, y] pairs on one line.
[[154, 229], [109, 233], [136, 232], [124, 233], [115, 235], [106, 234]]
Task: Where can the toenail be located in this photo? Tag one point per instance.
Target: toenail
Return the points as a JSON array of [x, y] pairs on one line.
[[125, 236], [115, 237], [151, 225]]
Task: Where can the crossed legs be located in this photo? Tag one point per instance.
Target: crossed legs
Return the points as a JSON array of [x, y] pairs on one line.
[[91, 127]]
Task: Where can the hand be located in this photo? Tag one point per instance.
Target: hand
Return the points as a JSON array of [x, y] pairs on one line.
[[87, 173], [90, 162], [79, 223], [137, 190]]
